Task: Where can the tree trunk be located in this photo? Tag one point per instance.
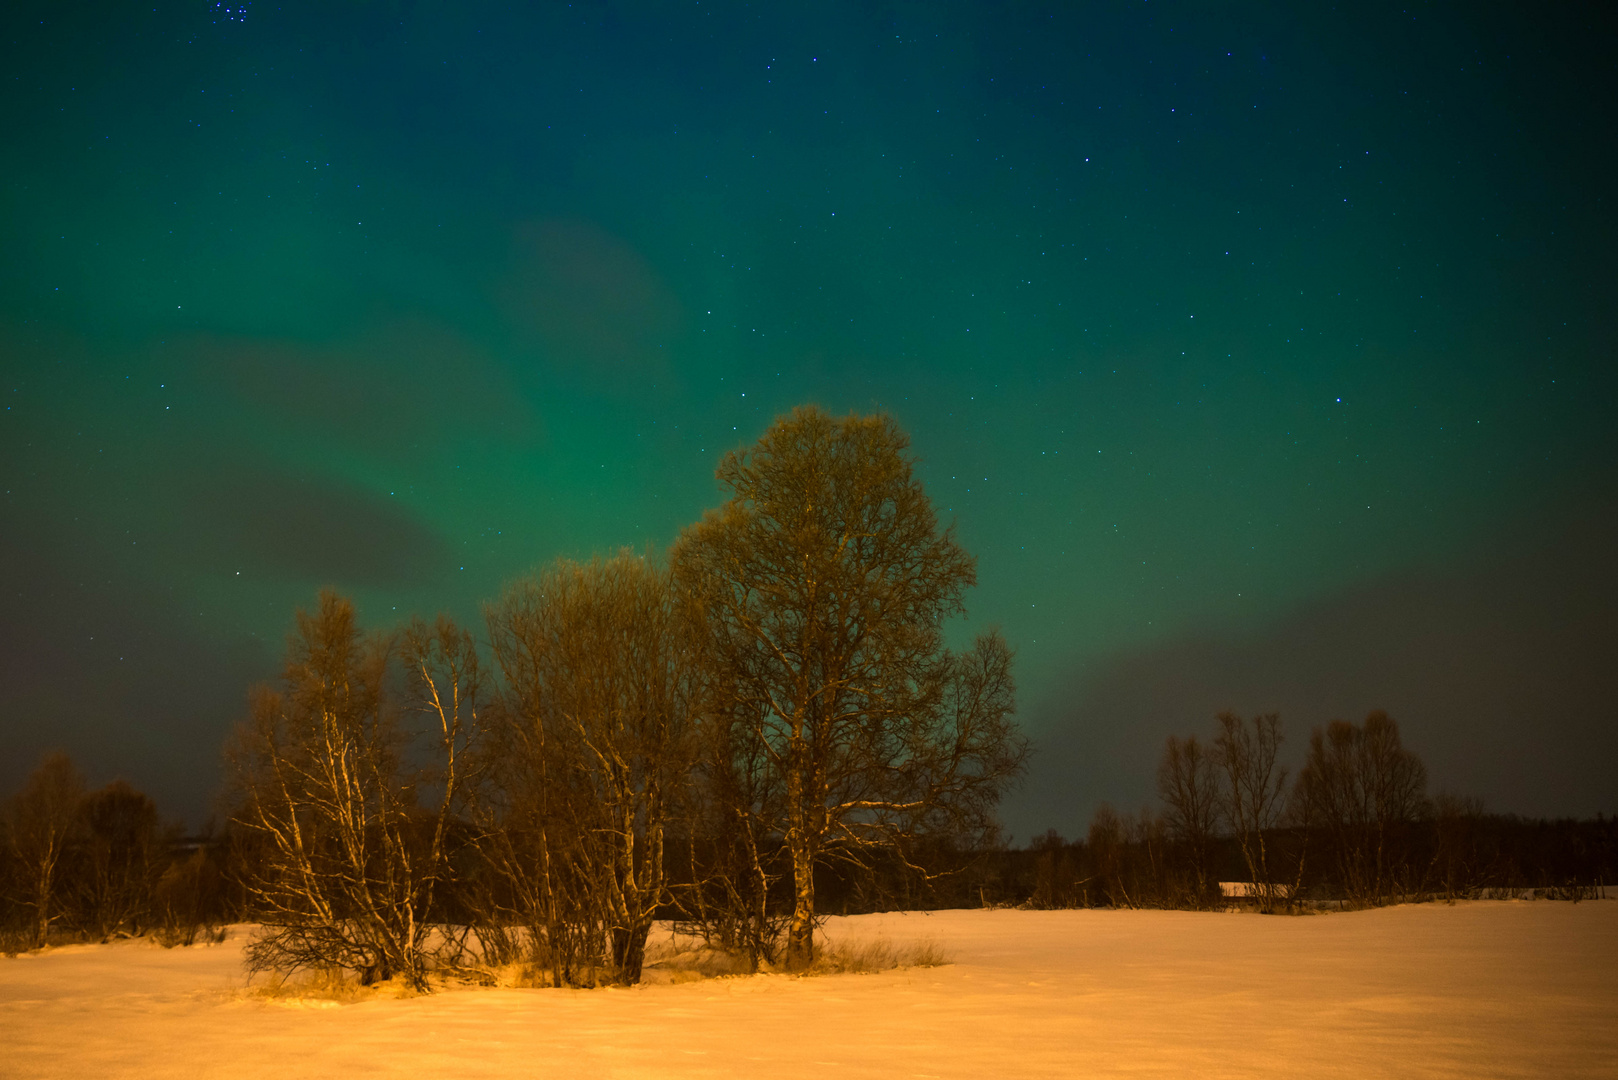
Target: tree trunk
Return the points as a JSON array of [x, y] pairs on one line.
[[801, 931], [42, 908], [629, 951]]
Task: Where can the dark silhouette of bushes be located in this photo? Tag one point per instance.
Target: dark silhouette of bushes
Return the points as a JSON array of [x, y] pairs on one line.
[[99, 865]]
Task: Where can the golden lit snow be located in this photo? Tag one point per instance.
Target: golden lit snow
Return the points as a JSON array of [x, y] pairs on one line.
[[1473, 990]]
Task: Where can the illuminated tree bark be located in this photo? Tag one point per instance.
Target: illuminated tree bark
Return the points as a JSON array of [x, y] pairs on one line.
[[598, 721], [41, 819], [348, 856]]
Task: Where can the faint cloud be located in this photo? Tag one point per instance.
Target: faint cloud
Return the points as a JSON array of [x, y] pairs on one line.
[[316, 529], [590, 299], [1501, 676], [396, 386]]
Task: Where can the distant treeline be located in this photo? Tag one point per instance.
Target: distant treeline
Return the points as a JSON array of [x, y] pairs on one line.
[[1354, 828], [1133, 862], [98, 865]]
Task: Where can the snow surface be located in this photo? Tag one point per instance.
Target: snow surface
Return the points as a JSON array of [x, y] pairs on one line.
[[1473, 990]]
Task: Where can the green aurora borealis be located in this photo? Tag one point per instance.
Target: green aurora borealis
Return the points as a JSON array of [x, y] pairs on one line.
[[1264, 360]]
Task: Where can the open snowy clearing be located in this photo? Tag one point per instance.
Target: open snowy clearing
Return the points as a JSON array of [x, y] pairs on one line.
[[1479, 989]]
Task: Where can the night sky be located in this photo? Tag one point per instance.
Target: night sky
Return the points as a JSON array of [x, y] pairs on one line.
[[1263, 359]]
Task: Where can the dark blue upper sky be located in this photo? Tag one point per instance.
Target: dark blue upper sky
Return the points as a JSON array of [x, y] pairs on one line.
[[1262, 357]]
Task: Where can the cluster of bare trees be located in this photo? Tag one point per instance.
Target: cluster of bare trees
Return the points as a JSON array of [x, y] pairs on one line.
[[95, 865], [1361, 796], [596, 726], [1358, 795], [695, 738], [1222, 797], [1354, 826]]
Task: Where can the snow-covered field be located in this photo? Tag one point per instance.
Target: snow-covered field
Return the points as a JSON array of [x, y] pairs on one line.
[[1474, 990]]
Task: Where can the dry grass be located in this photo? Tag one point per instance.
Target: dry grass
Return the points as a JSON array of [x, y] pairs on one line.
[[16, 940], [521, 974], [680, 958], [177, 936], [688, 959], [324, 986], [673, 959], [859, 956]]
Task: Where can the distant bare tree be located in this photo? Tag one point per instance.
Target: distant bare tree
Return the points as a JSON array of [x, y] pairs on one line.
[[1057, 882], [348, 859], [598, 718], [820, 589], [1128, 860], [1107, 842], [1365, 790], [1254, 796], [1457, 822], [187, 900], [1188, 784], [123, 859], [1157, 886], [40, 822]]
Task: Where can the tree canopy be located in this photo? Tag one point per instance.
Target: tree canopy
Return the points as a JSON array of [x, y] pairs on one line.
[[820, 590]]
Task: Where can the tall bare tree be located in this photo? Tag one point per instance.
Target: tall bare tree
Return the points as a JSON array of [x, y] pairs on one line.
[[1365, 790], [598, 719], [1188, 784], [1254, 796], [820, 589], [445, 692], [348, 857], [40, 822]]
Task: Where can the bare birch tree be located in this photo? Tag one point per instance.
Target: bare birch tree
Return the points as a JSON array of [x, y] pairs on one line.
[[599, 718], [1188, 784], [1254, 796], [40, 822], [1365, 790], [820, 589], [348, 860], [1105, 844]]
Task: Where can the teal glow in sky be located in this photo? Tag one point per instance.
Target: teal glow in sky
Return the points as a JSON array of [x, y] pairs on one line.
[[1264, 360]]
